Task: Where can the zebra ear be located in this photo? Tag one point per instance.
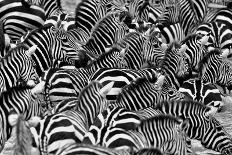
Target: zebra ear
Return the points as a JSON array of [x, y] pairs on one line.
[[225, 53], [123, 51], [183, 48], [204, 39], [211, 111], [38, 89], [34, 121], [31, 50], [106, 89]]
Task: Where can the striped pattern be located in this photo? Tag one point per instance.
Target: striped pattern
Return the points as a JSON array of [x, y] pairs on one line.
[[22, 101], [202, 126], [108, 31], [18, 18], [17, 67]]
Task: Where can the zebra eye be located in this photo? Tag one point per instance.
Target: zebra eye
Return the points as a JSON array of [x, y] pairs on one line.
[[171, 92]]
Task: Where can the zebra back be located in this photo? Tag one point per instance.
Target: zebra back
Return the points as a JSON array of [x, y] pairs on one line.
[[202, 124]]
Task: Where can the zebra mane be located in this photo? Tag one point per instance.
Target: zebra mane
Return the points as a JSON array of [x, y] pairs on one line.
[[59, 4], [161, 118], [206, 57], [14, 50], [2, 37], [105, 55]]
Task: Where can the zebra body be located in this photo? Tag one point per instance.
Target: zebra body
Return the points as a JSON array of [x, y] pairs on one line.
[[116, 117], [18, 19], [131, 98], [143, 136], [64, 83], [202, 126], [220, 35], [121, 78], [22, 101], [69, 127], [206, 93]]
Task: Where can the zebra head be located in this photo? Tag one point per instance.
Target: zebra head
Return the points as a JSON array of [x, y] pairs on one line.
[[28, 71]]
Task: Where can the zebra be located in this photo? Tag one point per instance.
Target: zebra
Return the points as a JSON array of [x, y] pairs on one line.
[[23, 101], [20, 136], [154, 50], [224, 16], [17, 18], [53, 44], [149, 151], [216, 69], [219, 37], [206, 93], [51, 7], [108, 31], [169, 136], [73, 80], [89, 12], [17, 68], [202, 125], [130, 97], [171, 32], [122, 77], [174, 66], [71, 125], [90, 149], [133, 56], [196, 49], [116, 117]]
